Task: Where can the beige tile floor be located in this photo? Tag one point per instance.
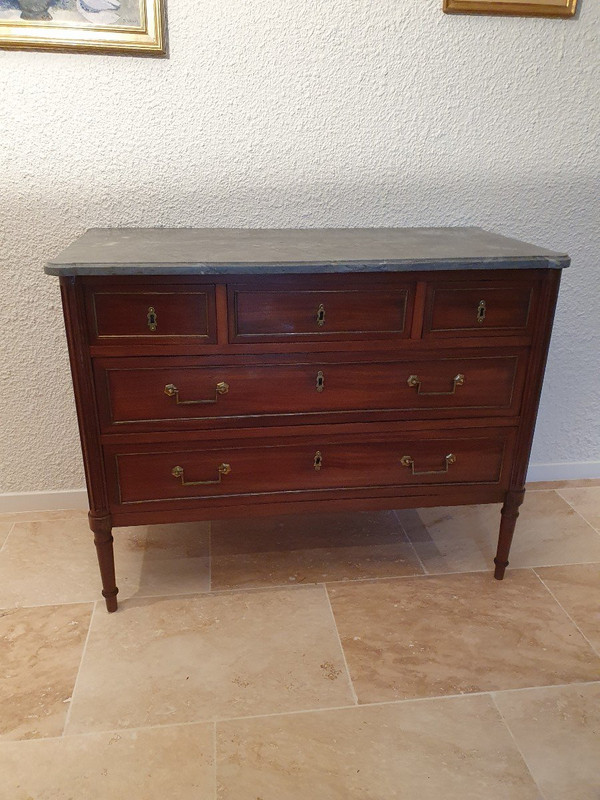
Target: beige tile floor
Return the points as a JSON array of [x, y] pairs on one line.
[[352, 656]]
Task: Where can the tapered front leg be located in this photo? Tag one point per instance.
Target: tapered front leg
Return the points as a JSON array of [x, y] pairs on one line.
[[510, 513], [102, 528]]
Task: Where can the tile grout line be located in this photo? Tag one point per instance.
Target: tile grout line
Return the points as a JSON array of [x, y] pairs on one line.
[[411, 543], [564, 610], [297, 587], [577, 511], [16, 520], [222, 720], [215, 758], [10, 530], [85, 644], [337, 633], [516, 744]]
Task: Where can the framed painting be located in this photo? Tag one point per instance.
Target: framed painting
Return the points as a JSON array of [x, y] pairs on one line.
[[125, 26], [517, 8]]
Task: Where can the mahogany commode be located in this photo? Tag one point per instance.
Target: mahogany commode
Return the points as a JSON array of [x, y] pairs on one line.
[[223, 373]]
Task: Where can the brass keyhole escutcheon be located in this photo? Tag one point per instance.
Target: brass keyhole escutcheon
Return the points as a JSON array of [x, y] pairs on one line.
[[321, 315], [481, 309], [320, 381], [318, 462], [152, 319]]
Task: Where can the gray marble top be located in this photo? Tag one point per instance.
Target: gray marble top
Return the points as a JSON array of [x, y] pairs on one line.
[[208, 251]]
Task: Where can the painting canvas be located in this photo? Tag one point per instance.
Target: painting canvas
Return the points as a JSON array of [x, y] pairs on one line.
[[521, 8], [122, 25]]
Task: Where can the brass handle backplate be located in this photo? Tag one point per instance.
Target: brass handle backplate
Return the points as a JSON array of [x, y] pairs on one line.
[[172, 391], [320, 381], [414, 380], [152, 318], [318, 461], [321, 315], [222, 469], [481, 309], [407, 461]]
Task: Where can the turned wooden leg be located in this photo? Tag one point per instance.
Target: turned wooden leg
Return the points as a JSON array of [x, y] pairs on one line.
[[102, 528], [510, 512]]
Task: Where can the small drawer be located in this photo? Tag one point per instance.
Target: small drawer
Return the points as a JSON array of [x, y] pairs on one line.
[[279, 311], [151, 313], [161, 393], [177, 474], [490, 309]]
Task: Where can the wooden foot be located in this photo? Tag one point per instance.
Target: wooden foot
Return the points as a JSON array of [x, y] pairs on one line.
[[102, 528], [510, 512]]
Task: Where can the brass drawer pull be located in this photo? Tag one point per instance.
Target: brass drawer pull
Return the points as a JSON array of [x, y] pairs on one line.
[[222, 469], [152, 319], [481, 309], [321, 315], [172, 391], [318, 462], [320, 381], [407, 461], [458, 380]]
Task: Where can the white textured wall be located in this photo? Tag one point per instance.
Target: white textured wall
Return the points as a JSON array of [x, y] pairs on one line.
[[300, 113]]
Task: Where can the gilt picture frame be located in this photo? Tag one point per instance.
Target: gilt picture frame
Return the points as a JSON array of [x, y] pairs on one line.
[[107, 26], [515, 8]]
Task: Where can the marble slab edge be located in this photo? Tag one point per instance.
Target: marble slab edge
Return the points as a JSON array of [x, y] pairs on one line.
[[306, 267]]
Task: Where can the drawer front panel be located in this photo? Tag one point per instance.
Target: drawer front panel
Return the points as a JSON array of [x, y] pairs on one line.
[[164, 393], [179, 474], [314, 314], [486, 310], [162, 314]]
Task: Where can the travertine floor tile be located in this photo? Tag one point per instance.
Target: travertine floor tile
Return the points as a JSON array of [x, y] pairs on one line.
[[188, 659], [422, 637], [456, 749], [558, 732], [577, 589], [463, 538], [55, 562], [41, 653], [152, 764], [309, 548], [586, 501]]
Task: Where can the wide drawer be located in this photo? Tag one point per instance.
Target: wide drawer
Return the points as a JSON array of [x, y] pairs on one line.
[[492, 308], [348, 309], [178, 474], [164, 314], [162, 393]]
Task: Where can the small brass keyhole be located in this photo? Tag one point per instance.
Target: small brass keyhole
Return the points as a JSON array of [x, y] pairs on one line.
[[321, 315], [320, 381], [152, 318], [481, 309], [318, 462]]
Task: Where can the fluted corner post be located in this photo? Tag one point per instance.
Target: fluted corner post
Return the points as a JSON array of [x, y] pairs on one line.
[[102, 529], [510, 513]]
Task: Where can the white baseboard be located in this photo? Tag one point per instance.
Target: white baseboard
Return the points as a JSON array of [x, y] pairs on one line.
[[574, 471], [15, 502]]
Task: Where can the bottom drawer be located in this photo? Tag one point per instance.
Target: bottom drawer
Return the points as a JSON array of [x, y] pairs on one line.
[[176, 474]]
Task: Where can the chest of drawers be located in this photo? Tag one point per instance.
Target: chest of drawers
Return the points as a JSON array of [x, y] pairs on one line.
[[235, 373]]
